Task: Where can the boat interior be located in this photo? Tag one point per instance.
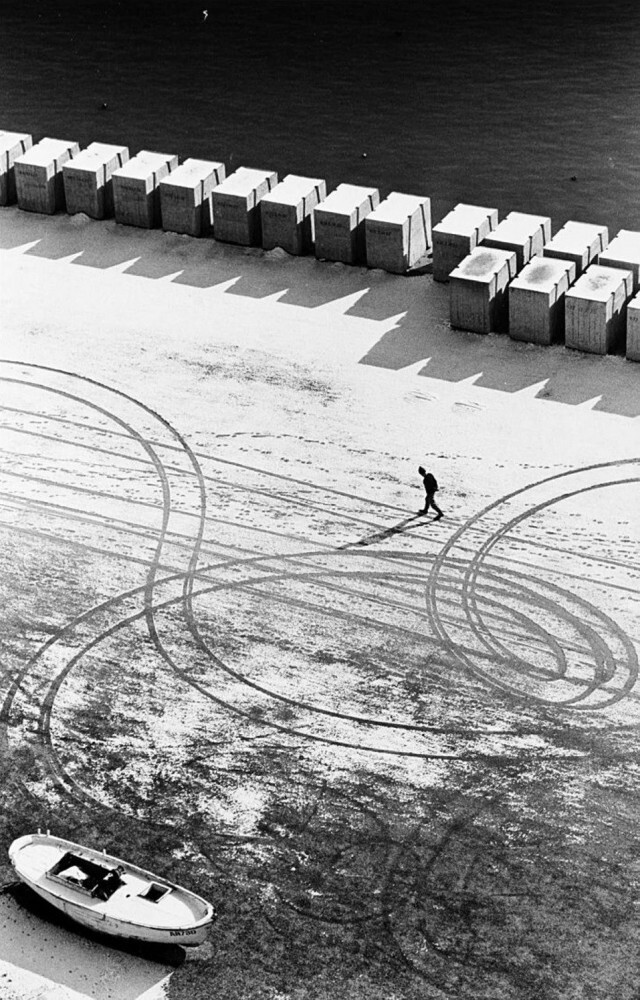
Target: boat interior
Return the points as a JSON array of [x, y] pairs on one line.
[[102, 881], [88, 876]]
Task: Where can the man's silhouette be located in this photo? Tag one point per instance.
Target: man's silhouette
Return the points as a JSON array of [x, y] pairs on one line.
[[430, 488]]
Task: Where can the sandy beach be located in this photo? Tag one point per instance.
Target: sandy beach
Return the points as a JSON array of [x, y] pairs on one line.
[[399, 754]]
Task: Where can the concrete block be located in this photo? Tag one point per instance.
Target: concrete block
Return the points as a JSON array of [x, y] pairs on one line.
[[87, 180], [478, 290], [398, 232], [595, 309], [38, 175], [580, 242], [536, 300], [186, 197], [12, 145], [524, 234], [624, 252], [339, 223], [633, 329], [287, 213], [458, 234], [136, 199], [236, 205]]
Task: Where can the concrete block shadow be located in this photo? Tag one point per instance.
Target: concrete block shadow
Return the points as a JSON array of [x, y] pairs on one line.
[[418, 306], [494, 361]]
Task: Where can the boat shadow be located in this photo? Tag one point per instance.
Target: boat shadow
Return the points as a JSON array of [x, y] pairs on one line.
[[171, 954]]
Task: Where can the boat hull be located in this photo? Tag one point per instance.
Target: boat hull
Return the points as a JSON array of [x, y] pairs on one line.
[[104, 924], [82, 906]]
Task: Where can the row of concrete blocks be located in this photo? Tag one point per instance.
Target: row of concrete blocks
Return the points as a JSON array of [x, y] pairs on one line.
[[249, 207], [575, 287]]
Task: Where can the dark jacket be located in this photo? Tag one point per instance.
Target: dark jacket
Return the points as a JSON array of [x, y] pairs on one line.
[[430, 483]]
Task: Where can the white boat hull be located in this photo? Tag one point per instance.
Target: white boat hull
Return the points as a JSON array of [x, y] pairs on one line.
[[142, 907], [95, 921]]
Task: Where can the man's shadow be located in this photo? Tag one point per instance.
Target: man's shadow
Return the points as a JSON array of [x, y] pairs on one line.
[[396, 529]]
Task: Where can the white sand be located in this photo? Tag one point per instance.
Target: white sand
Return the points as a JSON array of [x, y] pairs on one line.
[[41, 961], [262, 386]]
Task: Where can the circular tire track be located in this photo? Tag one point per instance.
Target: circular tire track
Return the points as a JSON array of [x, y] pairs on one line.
[[613, 656], [147, 590], [445, 575], [93, 616]]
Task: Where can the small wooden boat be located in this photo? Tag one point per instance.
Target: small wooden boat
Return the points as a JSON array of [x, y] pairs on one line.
[[109, 895]]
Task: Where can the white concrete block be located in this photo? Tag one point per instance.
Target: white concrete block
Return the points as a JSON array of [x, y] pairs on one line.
[[458, 234], [38, 175], [87, 180], [595, 309], [136, 199], [478, 290], [536, 300], [398, 232], [236, 205], [287, 213], [624, 252], [633, 329], [339, 223], [524, 234], [580, 242], [12, 145], [186, 197]]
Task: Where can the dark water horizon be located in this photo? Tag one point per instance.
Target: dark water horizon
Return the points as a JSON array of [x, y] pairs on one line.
[[532, 108]]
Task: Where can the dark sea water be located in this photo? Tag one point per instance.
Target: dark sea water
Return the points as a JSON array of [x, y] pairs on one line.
[[496, 103]]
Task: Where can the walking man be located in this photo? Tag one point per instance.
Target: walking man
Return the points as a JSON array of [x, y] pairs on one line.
[[430, 488]]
